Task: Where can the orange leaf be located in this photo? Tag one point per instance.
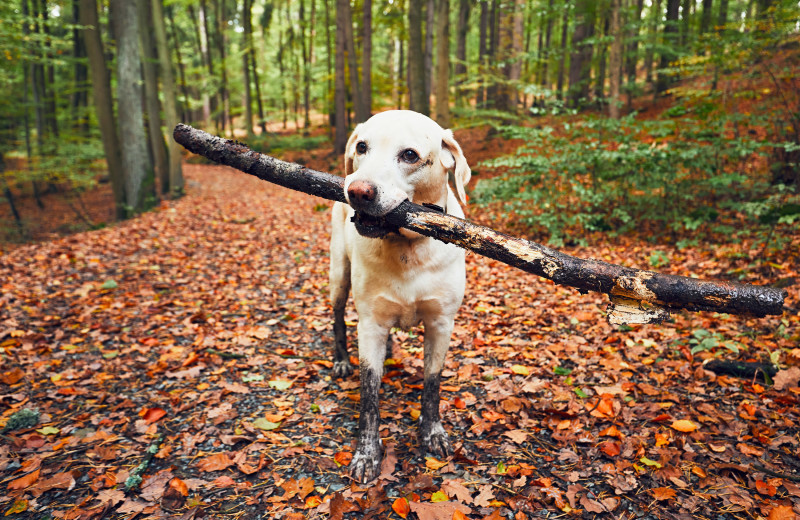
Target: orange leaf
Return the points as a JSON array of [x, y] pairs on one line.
[[151, 415], [684, 426], [459, 403], [224, 481], [12, 376], [663, 493], [215, 462], [765, 489], [343, 458], [179, 486], [401, 507], [458, 515], [434, 464], [24, 481], [612, 449], [612, 431], [313, 501], [781, 513]]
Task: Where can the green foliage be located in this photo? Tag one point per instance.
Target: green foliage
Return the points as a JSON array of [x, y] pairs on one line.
[[703, 340], [600, 174]]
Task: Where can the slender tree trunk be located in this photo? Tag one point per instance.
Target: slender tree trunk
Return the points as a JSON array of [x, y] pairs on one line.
[[352, 64], [246, 50], [649, 56], [563, 56], [418, 101], [668, 54], [615, 60], [483, 51], [340, 93], [686, 20], [366, 63], [602, 59], [157, 146], [400, 71], [722, 17], [705, 16], [49, 84], [443, 63], [462, 29], [547, 37], [633, 51], [430, 22], [581, 56], [222, 43], [170, 102], [80, 101], [509, 47], [103, 102], [329, 94], [133, 142], [176, 46], [209, 95]]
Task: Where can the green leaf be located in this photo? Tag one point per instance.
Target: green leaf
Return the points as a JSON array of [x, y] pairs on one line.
[[561, 371], [48, 430], [501, 468], [580, 393], [279, 384], [249, 378], [109, 284], [263, 424], [648, 462]]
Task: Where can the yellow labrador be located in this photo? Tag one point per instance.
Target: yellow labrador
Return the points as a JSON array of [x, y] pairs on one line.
[[399, 278]]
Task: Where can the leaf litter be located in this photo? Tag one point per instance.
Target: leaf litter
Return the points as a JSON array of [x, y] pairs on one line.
[[203, 329]]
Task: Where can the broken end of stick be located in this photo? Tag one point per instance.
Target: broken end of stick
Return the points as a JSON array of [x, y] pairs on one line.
[[628, 311]]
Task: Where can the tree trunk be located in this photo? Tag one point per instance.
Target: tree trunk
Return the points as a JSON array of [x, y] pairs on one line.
[[246, 50], [366, 63], [170, 98], [80, 99], [602, 60], [329, 94], [222, 44], [722, 18], [508, 51], [462, 29], [563, 56], [135, 166], [157, 146], [175, 44], [629, 289], [340, 93], [103, 101], [649, 56], [705, 16], [670, 39], [418, 101], [443, 63], [483, 54], [615, 61], [545, 81], [581, 57], [209, 98], [686, 21], [49, 79], [430, 22], [633, 51], [352, 64]]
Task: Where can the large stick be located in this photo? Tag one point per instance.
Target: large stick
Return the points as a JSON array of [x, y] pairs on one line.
[[636, 296]]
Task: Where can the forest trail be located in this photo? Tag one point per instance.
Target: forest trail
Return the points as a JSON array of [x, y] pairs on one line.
[[203, 328]]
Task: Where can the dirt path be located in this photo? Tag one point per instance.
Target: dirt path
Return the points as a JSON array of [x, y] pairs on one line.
[[203, 329]]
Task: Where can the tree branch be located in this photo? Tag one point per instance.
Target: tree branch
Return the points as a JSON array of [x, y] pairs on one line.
[[636, 296]]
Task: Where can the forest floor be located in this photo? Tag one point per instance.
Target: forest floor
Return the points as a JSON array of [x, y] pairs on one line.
[[202, 330]]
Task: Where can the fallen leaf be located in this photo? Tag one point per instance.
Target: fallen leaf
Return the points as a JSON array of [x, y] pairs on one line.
[[23, 481], [152, 415], [438, 511], [782, 513], [215, 462], [343, 458], [434, 464], [684, 426], [401, 507], [663, 493], [787, 378], [20, 506], [439, 496]]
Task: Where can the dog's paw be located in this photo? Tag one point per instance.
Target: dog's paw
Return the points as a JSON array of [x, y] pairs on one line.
[[435, 440], [366, 463], [342, 369]]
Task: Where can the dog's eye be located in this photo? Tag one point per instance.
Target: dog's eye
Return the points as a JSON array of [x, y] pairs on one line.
[[409, 156], [361, 148]]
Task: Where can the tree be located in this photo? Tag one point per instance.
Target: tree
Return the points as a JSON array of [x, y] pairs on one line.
[[462, 28], [563, 54], [615, 60], [175, 187], [581, 56], [443, 63], [103, 101], [135, 161], [340, 92], [418, 101], [365, 97], [668, 53]]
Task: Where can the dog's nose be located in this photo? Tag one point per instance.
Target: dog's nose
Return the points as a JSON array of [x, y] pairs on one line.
[[361, 194]]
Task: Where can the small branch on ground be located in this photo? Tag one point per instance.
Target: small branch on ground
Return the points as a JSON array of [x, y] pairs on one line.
[[135, 478], [743, 369], [636, 296]]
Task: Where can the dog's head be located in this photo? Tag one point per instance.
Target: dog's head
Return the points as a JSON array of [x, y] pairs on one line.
[[398, 155]]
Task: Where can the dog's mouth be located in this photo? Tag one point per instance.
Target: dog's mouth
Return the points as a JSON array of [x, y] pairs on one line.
[[372, 227]]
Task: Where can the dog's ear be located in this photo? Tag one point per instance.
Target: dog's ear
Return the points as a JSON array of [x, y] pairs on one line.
[[349, 151], [453, 158]]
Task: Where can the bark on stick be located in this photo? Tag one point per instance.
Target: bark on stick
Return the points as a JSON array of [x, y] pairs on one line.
[[636, 296]]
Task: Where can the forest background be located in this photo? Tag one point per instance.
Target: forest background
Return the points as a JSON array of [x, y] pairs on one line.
[[660, 114]]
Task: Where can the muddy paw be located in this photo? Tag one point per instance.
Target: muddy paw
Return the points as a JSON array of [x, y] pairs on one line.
[[342, 369], [366, 463], [435, 440]]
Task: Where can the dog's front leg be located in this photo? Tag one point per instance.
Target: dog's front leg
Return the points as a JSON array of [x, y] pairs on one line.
[[371, 352], [432, 436]]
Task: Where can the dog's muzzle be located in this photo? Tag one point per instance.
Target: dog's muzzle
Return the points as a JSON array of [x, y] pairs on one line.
[[371, 205]]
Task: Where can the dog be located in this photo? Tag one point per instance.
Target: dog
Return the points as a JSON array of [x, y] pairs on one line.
[[399, 278]]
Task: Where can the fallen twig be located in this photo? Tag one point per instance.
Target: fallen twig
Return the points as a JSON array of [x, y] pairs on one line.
[[636, 296]]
